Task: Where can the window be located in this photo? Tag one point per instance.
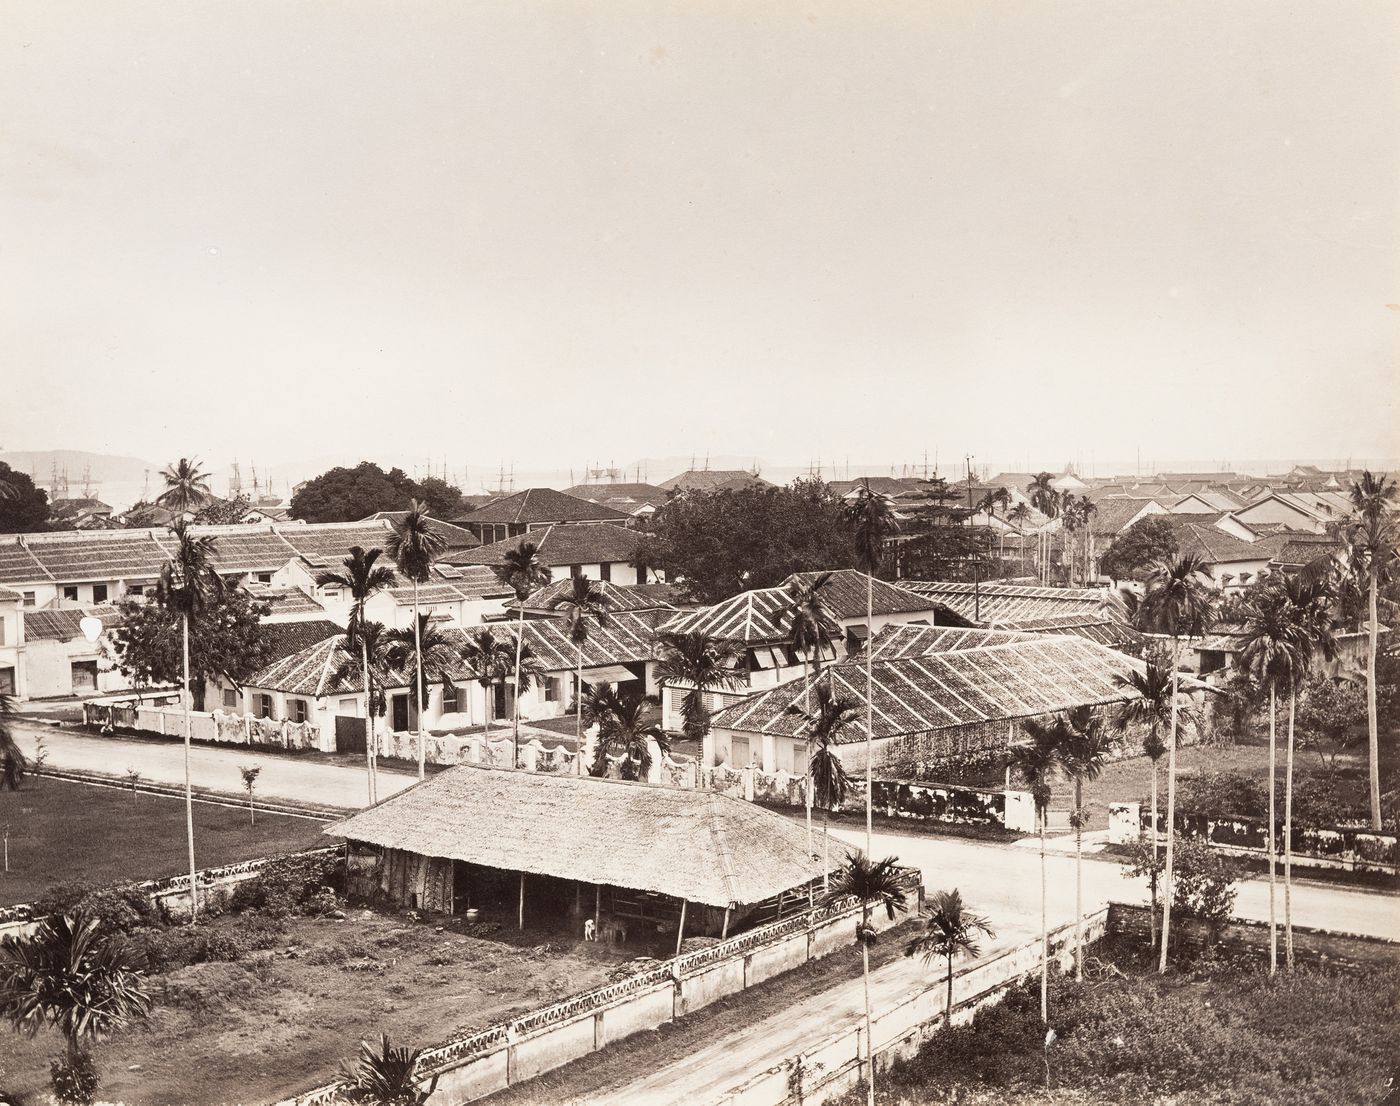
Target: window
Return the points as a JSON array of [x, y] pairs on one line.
[[576, 571], [135, 589], [70, 592], [331, 593], [553, 689], [264, 577], [29, 599], [297, 709], [2, 631], [264, 706], [99, 593], [605, 571], [230, 699], [348, 707], [449, 699]]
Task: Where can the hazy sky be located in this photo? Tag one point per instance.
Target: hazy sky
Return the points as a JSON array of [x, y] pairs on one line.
[[553, 232]]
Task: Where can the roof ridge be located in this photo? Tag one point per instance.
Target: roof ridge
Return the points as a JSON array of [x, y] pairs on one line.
[[723, 853]]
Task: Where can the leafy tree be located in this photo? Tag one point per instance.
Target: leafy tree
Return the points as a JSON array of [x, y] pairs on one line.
[[1329, 715], [387, 1077], [937, 540], [873, 884], [1148, 540], [363, 579], [223, 512], [702, 663], [952, 931], [250, 773], [349, 494], [1036, 763], [718, 544], [1178, 604], [443, 500], [1204, 886], [415, 545], [25, 508], [521, 570], [584, 602], [69, 975], [186, 487], [1371, 535]]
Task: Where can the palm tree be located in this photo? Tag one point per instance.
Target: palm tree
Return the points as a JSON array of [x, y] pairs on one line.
[[1372, 539], [186, 487], [188, 584], [872, 522], [432, 656], [523, 572], [583, 602], [12, 761], [1151, 707], [1084, 755], [1045, 499], [415, 545], [626, 723], [1018, 515], [1037, 763], [874, 884], [830, 783], [388, 1076], [364, 647], [805, 611], [952, 931], [69, 975], [702, 664], [1087, 510], [362, 578], [1176, 604], [491, 659]]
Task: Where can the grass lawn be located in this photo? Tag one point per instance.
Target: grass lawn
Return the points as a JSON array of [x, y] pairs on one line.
[[1218, 1032], [62, 832], [280, 1020]]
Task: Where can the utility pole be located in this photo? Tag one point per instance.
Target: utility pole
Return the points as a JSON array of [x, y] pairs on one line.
[[976, 574]]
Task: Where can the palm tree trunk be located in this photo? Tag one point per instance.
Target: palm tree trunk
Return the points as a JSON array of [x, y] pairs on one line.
[[1288, 835], [826, 847], [1374, 748], [1171, 809], [370, 739], [578, 695], [1044, 934], [948, 1009], [807, 798], [869, 1043], [189, 792], [422, 705], [1273, 845], [1078, 879], [1153, 880], [519, 649], [869, 713]]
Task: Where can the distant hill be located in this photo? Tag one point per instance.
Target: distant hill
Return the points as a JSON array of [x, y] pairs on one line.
[[115, 480]]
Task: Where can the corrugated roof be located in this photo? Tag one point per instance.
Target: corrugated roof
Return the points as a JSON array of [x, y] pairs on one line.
[[572, 544], [540, 505], [1020, 679], [696, 845]]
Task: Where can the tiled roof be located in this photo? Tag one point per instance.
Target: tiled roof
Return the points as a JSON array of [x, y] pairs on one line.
[[454, 536], [284, 639], [996, 683], [539, 505], [18, 565], [9, 596], [1113, 513], [603, 493], [844, 594], [751, 617], [1014, 602], [894, 642], [64, 624], [573, 544], [705, 480], [327, 545], [284, 600], [1104, 629], [1298, 550], [309, 671], [475, 582], [92, 555], [1218, 547], [621, 597]]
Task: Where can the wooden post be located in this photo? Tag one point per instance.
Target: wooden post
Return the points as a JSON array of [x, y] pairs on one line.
[[724, 932], [597, 901], [522, 900], [680, 933]]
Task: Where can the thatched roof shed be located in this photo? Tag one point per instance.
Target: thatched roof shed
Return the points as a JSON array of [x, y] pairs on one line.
[[697, 846]]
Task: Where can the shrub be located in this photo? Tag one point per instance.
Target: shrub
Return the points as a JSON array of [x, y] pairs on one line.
[[1203, 879], [74, 1082], [288, 885]]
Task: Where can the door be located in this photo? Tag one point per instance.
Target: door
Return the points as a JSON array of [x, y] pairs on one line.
[[739, 752], [84, 676], [400, 716], [349, 734]]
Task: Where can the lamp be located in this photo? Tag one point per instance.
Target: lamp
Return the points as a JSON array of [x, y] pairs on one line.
[[91, 627]]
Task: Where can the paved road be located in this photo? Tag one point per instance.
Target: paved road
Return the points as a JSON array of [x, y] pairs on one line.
[[211, 766]]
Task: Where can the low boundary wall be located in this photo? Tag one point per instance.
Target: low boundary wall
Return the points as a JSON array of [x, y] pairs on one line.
[[834, 1066], [503, 1055]]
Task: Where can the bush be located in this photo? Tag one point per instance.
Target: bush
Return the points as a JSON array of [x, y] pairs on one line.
[[1203, 879], [289, 885], [74, 1082], [165, 950]]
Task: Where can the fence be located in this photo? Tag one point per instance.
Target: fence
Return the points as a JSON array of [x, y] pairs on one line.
[[172, 891], [1347, 849], [205, 726], [834, 1066], [503, 1055]]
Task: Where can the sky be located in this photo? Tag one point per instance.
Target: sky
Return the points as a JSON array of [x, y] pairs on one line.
[[546, 233]]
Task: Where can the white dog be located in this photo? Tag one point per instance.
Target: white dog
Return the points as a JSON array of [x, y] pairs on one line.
[[590, 930]]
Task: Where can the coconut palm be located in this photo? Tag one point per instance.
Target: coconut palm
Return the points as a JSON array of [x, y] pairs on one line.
[[952, 931], [1036, 763], [873, 523], [1042, 494], [627, 724], [432, 656], [1371, 535], [1083, 756], [415, 545], [12, 761], [584, 601], [830, 715], [362, 579], [1177, 604], [804, 612], [521, 570], [1087, 510], [702, 664], [387, 1076], [875, 884], [1018, 516], [186, 487], [70, 975], [492, 661], [1151, 707], [188, 585]]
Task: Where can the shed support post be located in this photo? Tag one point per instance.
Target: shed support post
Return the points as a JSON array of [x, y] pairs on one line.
[[724, 932], [522, 900], [680, 932], [597, 902]]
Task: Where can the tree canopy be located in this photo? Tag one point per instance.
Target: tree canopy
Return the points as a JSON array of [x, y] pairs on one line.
[[442, 499], [350, 494], [223, 512], [23, 508], [1147, 540], [724, 542]]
